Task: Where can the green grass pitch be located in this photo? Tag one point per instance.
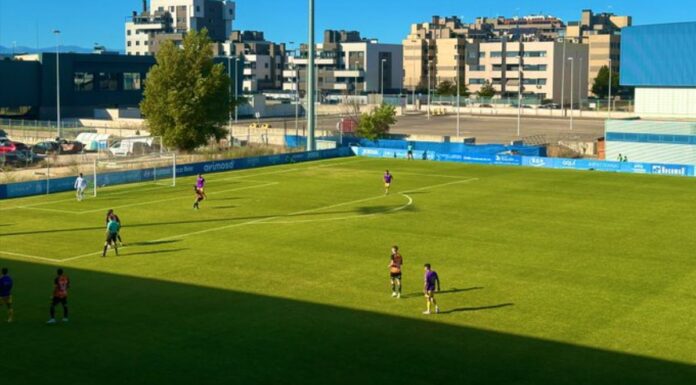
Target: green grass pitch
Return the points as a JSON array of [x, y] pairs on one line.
[[548, 277]]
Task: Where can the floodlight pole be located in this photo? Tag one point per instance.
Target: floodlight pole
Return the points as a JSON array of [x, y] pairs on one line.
[[311, 50], [57, 34]]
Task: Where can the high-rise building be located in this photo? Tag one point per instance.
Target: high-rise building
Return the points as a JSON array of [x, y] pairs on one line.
[[172, 19], [263, 60], [542, 72], [349, 64], [602, 33], [438, 51]]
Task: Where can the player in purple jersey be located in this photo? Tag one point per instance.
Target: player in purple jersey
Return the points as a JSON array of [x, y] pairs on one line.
[[6, 293], [387, 182], [432, 284], [200, 185]]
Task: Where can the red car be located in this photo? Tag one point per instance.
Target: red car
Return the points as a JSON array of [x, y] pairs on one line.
[[7, 145]]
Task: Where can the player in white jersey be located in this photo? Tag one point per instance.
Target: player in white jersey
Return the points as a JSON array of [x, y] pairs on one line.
[[80, 187]]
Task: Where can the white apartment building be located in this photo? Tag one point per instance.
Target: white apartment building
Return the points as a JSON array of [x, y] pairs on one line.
[[349, 67], [542, 74], [172, 19]]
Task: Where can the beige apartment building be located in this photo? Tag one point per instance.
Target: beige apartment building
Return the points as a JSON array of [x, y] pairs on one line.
[[542, 74], [602, 34], [434, 52]]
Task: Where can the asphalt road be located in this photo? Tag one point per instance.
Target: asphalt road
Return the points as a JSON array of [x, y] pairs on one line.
[[486, 129]]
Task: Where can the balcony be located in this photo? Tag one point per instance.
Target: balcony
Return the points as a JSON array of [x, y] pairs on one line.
[[349, 73]]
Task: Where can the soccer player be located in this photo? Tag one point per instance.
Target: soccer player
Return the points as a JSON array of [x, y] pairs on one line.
[[80, 187], [112, 229], [199, 197], [387, 182], [61, 284], [6, 293], [409, 151], [395, 271], [200, 185], [432, 284], [110, 214]]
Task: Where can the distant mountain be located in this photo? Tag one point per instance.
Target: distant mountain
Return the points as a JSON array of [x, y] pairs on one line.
[[63, 48]]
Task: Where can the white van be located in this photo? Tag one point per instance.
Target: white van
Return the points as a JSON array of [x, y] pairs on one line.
[[130, 146]]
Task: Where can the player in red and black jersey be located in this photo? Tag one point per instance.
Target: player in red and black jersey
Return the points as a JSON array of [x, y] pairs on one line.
[[61, 284]]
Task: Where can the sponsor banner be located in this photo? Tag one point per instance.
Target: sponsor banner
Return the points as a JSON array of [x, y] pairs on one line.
[[535, 161], [15, 190]]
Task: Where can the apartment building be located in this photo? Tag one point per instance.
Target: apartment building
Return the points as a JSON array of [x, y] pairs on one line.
[[170, 20], [263, 60], [538, 67], [438, 51], [348, 64], [602, 33]]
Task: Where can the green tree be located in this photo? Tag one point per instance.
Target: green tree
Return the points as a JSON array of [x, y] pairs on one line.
[[487, 90], [446, 88], [375, 125], [186, 97], [600, 86]]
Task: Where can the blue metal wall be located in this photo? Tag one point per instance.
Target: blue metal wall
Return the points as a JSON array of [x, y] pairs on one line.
[[661, 55]]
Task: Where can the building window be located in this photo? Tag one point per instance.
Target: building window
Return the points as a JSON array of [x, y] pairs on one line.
[[535, 67], [198, 9], [482, 54], [128, 32], [137, 42], [83, 81], [131, 81], [129, 43], [477, 81], [108, 81], [534, 82], [535, 54], [477, 68], [496, 54]]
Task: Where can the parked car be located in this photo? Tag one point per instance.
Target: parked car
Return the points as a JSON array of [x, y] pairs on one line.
[[47, 147], [3, 134], [485, 105], [550, 106], [129, 146], [70, 146], [7, 145]]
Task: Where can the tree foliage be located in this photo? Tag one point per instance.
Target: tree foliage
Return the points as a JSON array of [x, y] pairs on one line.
[[600, 86], [449, 88], [187, 97], [375, 124], [487, 90]]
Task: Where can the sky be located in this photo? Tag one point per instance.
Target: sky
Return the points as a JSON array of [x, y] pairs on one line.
[[86, 22]]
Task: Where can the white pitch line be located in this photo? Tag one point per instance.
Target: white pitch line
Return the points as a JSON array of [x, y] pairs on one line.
[[46, 209], [30, 257], [410, 202], [177, 198], [269, 219]]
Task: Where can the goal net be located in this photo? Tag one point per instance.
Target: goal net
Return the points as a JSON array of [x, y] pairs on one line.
[[155, 168]]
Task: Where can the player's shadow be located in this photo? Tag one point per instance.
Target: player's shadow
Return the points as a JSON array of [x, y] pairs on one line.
[[154, 252], [477, 308], [154, 243], [223, 207], [443, 292], [383, 209]]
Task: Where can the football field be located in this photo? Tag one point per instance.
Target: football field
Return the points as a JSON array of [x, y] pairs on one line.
[[548, 277]]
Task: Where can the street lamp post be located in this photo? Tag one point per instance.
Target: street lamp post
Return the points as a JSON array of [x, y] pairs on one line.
[[57, 34], [570, 59], [563, 77], [580, 80], [236, 89], [459, 84], [429, 73], [229, 95], [609, 99]]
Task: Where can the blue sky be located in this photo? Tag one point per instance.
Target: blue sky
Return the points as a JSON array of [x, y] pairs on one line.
[[85, 22]]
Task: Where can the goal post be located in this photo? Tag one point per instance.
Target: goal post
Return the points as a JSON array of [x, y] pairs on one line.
[[159, 168]]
